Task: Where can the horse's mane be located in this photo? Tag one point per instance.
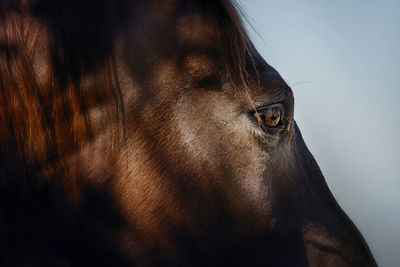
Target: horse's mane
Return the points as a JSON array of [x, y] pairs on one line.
[[43, 104]]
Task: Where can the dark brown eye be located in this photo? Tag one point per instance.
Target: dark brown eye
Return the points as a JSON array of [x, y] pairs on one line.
[[270, 117]]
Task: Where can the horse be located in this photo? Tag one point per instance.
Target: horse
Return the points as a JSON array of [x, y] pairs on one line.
[[152, 133]]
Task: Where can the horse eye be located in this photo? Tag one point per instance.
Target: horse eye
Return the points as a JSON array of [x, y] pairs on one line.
[[270, 116]]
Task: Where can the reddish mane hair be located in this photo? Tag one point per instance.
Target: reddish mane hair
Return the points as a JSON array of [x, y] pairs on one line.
[[42, 104]]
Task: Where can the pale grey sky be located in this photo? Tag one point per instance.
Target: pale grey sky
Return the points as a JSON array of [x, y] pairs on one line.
[[342, 59]]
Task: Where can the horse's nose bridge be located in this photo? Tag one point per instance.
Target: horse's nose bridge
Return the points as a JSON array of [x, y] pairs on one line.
[[339, 238], [325, 226], [326, 230]]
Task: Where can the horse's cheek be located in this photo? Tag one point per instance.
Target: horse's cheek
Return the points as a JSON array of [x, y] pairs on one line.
[[228, 159]]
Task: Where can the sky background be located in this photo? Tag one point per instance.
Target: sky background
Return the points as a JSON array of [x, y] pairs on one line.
[[342, 60]]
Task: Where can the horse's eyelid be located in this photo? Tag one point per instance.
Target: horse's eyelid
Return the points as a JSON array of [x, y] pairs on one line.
[[268, 106]]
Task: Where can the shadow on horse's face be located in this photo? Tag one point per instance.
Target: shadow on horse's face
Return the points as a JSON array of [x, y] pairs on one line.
[[212, 168]]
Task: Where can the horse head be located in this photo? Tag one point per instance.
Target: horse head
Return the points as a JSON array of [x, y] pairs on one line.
[[153, 133]]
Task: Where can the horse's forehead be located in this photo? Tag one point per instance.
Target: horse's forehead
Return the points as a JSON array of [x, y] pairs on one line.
[[194, 64], [199, 64], [197, 30]]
